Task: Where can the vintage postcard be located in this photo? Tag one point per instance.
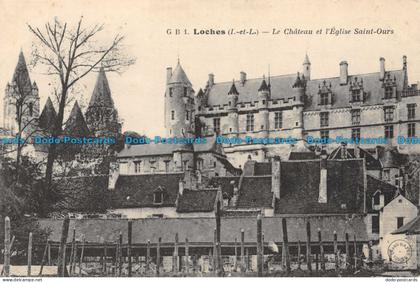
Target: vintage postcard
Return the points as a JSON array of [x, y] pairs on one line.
[[182, 138]]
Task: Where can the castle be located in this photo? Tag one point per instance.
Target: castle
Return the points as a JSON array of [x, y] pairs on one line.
[[371, 105]]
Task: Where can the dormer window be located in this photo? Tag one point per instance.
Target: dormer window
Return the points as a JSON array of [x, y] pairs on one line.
[[324, 94], [158, 196], [356, 91], [137, 166], [356, 95], [388, 92], [324, 98]]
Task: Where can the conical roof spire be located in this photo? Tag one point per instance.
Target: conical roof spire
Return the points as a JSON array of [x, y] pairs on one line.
[[48, 116], [21, 75], [233, 90], [200, 93], [179, 75], [264, 86], [76, 124], [101, 96], [306, 60]]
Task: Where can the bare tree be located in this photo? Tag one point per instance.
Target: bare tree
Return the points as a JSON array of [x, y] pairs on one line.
[[69, 54]]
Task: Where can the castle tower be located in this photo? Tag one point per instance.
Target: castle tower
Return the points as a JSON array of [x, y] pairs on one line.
[[299, 88], [233, 95], [101, 115], [306, 68], [21, 96], [179, 103]]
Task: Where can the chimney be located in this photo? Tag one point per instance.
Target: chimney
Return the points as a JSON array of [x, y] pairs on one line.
[[249, 167], [343, 150], [356, 152], [211, 80], [381, 68], [275, 176], [323, 196], [181, 187], [243, 77], [235, 196], [344, 72], [168, 74]]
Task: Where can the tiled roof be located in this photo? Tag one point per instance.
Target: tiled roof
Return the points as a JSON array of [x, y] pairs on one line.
[[281, 88], [390, 157], [197, 200], [137, 190], [299, 188], [255, 192], [153, 149], [371, 162], [101, 96], [201, 230], [373, 184], [412, 227], [262, 168], [225, 183], [302, 156]]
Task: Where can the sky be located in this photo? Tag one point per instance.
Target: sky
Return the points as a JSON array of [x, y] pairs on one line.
[[138, 92]]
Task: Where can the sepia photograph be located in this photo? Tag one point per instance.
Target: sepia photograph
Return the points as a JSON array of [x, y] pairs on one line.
[[222, 139]]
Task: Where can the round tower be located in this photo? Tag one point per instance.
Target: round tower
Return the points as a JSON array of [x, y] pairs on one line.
[[299, 88], [179, 104], [262, 120]]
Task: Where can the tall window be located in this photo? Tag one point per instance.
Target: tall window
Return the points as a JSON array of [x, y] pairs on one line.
[[185, 165], [137, 166], [411, 130], [355, 95], [172, 115], [411, 111], [388, 92], [375, 224], [278, 120], [324, 119], [187, 115], [325, 134], [185, 92], [158, 196], [324, 98], [355, 134], [355, 117], [389, 131], [171, 92], [400, 221], [167, 166], [389, 114], [249, 122], [216, 125]]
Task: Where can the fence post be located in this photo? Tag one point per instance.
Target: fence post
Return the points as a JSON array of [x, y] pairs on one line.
[[120, 254], [355, 252], [259, 240], [370, 254], [219, 265], [336, 251], [175, 266], [214, 261], [29, 254], [247, 260], [243, 268], [82, 252], [235, 261], [308, 246], [286, 245], [347, 251], [148, 256], [187, 254], [6, 266], [130, 233], [72, 250], [321, 250], [49, 252], [61, 261], [299, 254], [158, 256], [44, 258], [105, 257]]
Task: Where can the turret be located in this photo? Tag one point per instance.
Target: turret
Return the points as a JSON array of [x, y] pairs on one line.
[[179, 104], [299, 87], [232, 120], [263, 93], [307, 68]]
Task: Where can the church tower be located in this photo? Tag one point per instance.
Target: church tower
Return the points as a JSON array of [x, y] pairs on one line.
[[101, 115], [179, 103], [21, 100]]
